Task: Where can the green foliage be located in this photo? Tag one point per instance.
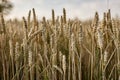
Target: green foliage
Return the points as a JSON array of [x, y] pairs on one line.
[[5, 7]]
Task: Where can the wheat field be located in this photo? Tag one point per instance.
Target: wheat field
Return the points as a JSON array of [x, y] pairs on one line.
[[60, 48]]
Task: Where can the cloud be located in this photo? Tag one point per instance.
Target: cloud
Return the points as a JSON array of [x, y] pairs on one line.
[[75, 8]]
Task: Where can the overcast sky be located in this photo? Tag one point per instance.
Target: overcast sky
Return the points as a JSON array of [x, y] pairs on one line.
[[82, 9]]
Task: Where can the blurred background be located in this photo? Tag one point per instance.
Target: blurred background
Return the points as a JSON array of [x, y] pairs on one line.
[[82, 9]]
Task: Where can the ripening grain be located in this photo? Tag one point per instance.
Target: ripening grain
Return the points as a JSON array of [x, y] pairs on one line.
[[60, 49]]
